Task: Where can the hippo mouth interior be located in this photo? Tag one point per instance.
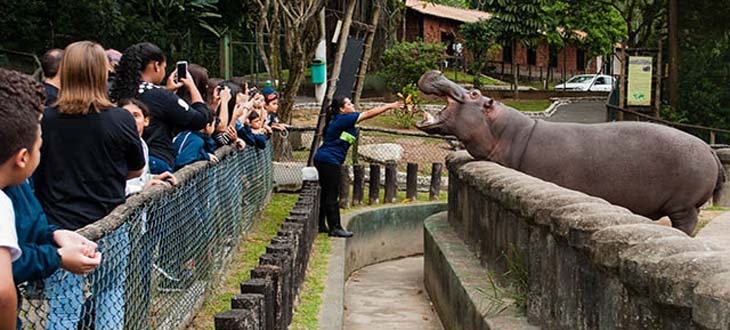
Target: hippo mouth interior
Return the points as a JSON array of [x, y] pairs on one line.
[[432, 121], [434, 83]]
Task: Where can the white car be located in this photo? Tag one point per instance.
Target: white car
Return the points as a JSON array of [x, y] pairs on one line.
[[587, 82]]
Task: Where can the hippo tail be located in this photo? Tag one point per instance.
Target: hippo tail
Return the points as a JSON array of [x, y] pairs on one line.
[[720, 173]]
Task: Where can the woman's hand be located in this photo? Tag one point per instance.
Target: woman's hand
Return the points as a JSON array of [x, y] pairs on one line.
[[396, 105], [231, 131], [240, 144], [225, 94], [166, 177], [172, 83]]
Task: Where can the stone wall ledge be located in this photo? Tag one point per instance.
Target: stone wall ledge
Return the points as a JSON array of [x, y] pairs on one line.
[[610, 264]]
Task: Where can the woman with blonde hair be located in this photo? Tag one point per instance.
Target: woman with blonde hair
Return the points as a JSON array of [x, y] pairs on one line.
[[90, 149]]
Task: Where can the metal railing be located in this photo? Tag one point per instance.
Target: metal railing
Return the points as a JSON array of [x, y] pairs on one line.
[[713, 136], [161, 250]]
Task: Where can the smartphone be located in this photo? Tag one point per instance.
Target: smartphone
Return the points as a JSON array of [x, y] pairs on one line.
[[182, 70]]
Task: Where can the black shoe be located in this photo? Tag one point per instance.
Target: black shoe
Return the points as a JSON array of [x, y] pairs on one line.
[[340, 233], [323, 230]]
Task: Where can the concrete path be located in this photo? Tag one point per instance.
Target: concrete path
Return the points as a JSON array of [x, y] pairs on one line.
[[586, 112], [389, 295]]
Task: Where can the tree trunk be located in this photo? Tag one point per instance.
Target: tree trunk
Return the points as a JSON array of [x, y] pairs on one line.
[[367, 52], [332, 83], [515, 69], [300, 44]]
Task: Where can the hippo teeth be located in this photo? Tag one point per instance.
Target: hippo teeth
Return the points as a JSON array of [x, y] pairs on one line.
[[428, 118]]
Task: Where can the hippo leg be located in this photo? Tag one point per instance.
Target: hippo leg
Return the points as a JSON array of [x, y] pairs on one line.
[[685, 220]]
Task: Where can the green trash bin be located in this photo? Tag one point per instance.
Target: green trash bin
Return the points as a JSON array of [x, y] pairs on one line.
[[318, 71]]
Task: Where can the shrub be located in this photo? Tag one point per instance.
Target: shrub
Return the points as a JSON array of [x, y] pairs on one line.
[[405, 62]]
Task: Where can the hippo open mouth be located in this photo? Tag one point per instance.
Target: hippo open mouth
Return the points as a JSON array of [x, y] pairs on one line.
[[434, 83]]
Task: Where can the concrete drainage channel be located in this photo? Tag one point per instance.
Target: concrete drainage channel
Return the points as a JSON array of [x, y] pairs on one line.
[[388, 233]]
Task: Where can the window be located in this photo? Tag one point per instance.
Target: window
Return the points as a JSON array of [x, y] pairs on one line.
[[580, 59], [600, 81], [553, 57], [531, 56], [507, 53]]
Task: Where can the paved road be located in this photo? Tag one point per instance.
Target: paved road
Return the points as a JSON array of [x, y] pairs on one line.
[[580, 112], [389, 295]]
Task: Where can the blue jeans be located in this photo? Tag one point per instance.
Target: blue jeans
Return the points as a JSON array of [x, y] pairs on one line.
[[65, 291]]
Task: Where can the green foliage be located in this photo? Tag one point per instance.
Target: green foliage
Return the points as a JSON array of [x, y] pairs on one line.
[[516, 277], [406, 118], [595, 27], [517, 20], [481, 39], [704, 65], [452, 3], [405, 62], [185, 29]]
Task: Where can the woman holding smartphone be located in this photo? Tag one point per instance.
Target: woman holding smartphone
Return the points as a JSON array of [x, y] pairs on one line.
[[141, 68]]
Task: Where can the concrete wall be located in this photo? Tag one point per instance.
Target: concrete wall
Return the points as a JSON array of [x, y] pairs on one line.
[[591, 265], [386, 233], [381, 234]]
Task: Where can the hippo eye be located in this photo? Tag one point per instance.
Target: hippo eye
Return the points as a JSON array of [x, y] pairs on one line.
[[474, 93]]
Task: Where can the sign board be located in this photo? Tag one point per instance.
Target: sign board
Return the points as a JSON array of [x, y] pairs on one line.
[[639, 81]]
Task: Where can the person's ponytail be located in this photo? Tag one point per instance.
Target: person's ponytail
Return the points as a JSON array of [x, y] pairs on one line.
[[333, 109]]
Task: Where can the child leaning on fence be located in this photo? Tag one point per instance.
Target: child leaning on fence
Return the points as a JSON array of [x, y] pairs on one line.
[[192, 146], [20, 141], [141, 115], [46, 248]]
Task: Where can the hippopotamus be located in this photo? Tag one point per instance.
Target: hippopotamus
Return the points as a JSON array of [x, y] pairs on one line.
[[650, 169]]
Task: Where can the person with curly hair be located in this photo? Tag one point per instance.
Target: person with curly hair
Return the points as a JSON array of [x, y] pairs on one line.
[[141, 68]]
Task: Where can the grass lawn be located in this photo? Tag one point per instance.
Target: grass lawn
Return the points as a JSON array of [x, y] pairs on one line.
[[245, 258], [462, 77]]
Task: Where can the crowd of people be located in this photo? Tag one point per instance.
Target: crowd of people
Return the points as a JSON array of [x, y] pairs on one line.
[[102, 126], [105, 125]]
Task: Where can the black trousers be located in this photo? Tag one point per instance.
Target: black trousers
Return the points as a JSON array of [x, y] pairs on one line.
[[329, 203]]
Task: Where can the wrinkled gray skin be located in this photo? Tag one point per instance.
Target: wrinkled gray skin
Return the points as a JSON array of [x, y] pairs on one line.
[[650, 169]]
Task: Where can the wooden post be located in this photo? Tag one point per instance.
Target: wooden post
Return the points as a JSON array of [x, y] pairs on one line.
[[235, 319], [367, 51], [374, 193], [344, 187], [391, 181], [412, 181], [358, 184], [434, 189]]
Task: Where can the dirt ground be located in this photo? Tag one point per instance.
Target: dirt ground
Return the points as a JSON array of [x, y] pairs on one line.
[[704, 218]]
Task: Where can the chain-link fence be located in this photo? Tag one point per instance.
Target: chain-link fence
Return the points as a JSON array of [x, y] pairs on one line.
[[160, 250]]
